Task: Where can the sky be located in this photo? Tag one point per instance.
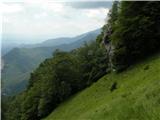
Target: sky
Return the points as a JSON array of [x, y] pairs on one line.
[[27, 21]]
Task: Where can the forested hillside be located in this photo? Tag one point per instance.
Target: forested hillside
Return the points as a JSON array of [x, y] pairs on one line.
[[129, 89], [60, 76], [20, 62]]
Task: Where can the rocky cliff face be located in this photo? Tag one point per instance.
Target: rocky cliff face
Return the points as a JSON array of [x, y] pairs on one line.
[[110, 49]]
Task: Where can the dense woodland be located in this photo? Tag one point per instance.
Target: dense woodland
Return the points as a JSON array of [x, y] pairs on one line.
[[130, 34]]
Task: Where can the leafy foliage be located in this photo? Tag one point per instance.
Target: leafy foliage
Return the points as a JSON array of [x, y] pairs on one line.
[[136, 33], [56, 79]]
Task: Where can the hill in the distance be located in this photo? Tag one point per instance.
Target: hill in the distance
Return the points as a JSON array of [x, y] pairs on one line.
[[20, 62], [64, 40], [134, 97]]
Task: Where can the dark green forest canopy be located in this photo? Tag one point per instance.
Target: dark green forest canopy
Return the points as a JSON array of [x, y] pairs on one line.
[[136, 33]]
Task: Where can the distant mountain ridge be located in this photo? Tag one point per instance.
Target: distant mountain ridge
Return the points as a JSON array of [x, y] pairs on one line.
[[62, 40], [8, 46], [20, 62]]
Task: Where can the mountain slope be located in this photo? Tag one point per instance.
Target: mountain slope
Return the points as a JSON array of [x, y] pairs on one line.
[[136, 97], [20, 62]]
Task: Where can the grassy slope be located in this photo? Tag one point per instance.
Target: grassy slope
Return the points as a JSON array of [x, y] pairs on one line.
[[136, 98]]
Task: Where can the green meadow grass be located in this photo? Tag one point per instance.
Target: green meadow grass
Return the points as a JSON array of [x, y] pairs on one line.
[[137, 96]]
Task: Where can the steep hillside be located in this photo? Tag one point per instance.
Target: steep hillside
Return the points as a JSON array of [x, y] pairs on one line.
[[20, 62], [135, 97]]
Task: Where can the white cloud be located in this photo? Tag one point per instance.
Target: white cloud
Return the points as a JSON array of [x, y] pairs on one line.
[[6, 19], [10, 8], [55, 7], [39, 19], [41, 15], [96, 12]]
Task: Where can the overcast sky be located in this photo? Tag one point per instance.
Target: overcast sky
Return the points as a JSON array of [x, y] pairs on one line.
[[35, 21]]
